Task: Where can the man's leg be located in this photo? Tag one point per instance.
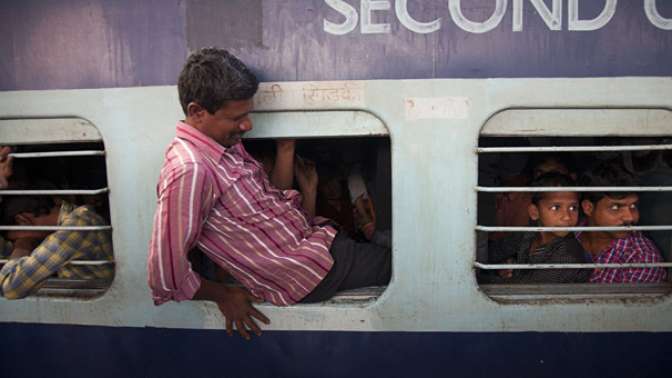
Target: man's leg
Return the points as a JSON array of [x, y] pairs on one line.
[[355, 265]]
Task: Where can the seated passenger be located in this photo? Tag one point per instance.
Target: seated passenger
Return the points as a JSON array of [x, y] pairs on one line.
[[37, 255], [605, 209], [548, 209]]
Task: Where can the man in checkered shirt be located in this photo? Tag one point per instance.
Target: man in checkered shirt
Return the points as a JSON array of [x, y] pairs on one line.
[[33, 256], [606, 209]]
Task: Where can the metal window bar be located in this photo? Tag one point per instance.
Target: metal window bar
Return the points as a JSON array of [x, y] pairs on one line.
[[505, 189], [572, 229], [78, 262], [56, 228], [86, 192], [570, 266], [650, 147], [31, 155]]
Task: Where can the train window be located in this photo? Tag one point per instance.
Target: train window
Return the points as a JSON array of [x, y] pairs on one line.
[[55, 230], [347, 169], [575, 204]]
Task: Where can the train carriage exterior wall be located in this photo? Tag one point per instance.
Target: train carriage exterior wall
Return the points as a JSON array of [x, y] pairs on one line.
[[427, 74]]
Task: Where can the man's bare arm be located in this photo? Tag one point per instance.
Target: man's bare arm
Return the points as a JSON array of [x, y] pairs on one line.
[[282, 174]]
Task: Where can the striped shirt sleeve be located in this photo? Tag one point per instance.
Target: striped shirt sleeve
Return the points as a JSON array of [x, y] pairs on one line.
[[184, 199]]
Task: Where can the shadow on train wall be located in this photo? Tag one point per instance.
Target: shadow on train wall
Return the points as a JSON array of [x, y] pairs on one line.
[[96, 43]]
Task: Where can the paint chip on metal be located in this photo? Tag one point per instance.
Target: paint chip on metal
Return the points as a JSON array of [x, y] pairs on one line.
[[436, 108]]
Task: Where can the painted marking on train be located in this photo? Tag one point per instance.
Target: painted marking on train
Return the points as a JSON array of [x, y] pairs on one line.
[[436, 108], [313, 95], [552, 16]]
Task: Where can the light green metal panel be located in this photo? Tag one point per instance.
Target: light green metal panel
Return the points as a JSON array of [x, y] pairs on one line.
[[434, 127], [49, 130]]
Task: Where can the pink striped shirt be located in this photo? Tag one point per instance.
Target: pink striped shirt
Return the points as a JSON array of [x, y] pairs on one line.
[[220, 200]]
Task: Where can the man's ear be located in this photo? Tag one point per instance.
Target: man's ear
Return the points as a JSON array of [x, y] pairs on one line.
[[587, 207], [194, 110], [533, 211]]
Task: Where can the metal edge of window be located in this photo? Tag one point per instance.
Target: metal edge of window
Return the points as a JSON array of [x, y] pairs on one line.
[[78, 262], [575, 293], [483, 266], [548, 122], [588, 122], [48, 130], [316, 124], [37, 131], [87, 192]]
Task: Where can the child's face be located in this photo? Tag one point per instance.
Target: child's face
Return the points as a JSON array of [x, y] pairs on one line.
[[556, 209]]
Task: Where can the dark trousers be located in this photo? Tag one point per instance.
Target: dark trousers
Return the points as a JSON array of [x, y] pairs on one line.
[[355, 265]]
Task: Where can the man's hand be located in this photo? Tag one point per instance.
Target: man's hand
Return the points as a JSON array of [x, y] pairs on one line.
[[506, 273], [237, 309], [33, 235], [235, 303], [307, 178], [306, 175], [23, 248], [6, 166]]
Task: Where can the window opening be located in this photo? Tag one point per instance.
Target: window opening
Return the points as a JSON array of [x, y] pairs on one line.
[[346, 167], [506, 187], [71, 176]]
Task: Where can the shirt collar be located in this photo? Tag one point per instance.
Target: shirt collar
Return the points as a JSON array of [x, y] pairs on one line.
[[202, 142]]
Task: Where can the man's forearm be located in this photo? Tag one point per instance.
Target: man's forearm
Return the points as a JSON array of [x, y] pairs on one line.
[[211, 291], [282, 174], [308, 203]]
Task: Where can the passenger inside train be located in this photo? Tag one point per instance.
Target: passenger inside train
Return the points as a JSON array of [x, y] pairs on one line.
[[213, 195], [598, 168], [547, 209], [606, 209], [37, 255]]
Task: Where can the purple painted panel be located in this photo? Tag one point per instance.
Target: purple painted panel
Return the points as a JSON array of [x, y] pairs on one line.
[[97, 43], [90, 43], [295, 46]]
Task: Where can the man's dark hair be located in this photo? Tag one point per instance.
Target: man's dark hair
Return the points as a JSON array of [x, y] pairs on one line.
[[609, 173], [537, 159], [213, 76], [11, 206], [550, 179]]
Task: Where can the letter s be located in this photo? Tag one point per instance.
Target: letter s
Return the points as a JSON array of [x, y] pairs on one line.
[[350, 14]]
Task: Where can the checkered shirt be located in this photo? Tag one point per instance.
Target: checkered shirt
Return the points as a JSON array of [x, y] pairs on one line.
[[22, 276], [636, 248]]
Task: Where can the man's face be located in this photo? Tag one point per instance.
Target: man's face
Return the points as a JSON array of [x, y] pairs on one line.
[[227, 125], [556, 209], [30, 219], [610, 211]]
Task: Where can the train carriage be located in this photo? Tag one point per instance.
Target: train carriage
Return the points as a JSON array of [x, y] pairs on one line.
[[423, 93]]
